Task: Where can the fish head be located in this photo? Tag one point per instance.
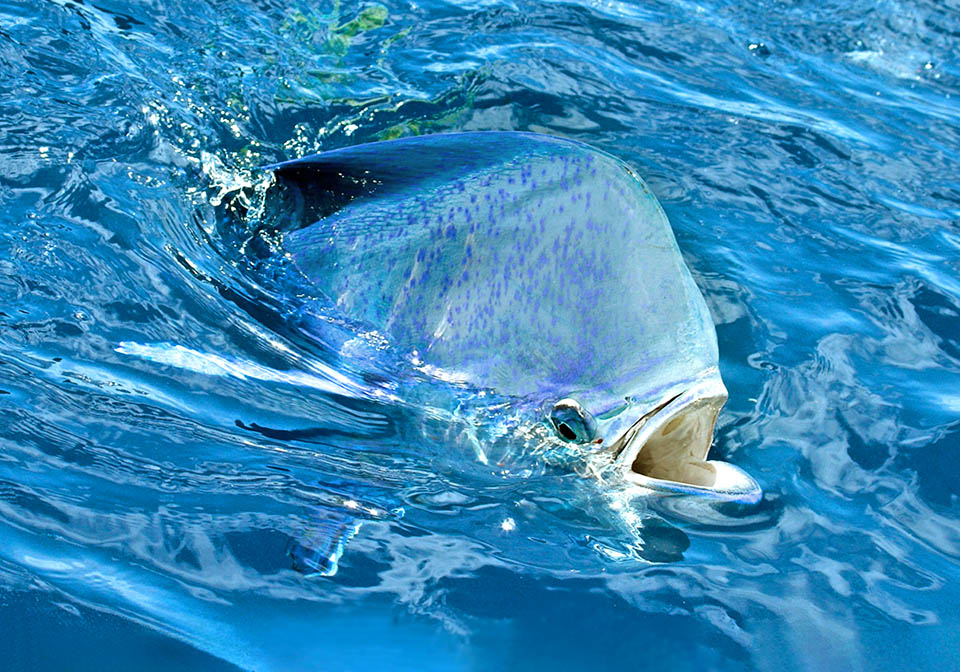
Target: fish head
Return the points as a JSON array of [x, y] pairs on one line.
[[658, 440]]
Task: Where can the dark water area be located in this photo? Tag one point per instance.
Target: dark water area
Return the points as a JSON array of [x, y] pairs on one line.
[[807, 155]]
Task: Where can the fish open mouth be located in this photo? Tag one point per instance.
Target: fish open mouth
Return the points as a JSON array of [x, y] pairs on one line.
[[666, 450]]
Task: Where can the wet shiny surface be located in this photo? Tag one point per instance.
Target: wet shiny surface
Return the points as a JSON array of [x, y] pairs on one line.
[[806, 155]]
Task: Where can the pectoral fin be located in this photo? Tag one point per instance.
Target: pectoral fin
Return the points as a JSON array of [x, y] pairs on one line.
[[318, 552], [318, 549]]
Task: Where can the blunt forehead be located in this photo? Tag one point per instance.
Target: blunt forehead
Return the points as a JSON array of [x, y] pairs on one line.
[[551, 272], [577, 284]]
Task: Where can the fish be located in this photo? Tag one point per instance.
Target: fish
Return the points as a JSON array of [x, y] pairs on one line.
[[536, 267], [535, 276]]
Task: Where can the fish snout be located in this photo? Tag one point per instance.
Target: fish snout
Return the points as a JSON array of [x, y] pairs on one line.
[[665, 451]]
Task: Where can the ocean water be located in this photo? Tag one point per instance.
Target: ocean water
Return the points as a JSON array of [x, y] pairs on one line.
[[807, 155]]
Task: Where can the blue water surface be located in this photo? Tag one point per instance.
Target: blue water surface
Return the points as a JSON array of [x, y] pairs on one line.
[[807, 155]]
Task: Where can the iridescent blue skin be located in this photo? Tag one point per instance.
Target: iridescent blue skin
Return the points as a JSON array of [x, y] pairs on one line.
[[533, 266], [539, 274]]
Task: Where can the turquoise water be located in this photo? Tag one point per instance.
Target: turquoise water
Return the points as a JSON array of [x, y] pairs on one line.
[[807, 155]]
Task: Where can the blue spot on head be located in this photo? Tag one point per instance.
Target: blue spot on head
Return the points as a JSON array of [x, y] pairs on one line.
[[421, 254], [451, 232]]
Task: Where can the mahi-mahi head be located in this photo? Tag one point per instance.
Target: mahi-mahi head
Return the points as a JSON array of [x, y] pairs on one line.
[[535, 267]]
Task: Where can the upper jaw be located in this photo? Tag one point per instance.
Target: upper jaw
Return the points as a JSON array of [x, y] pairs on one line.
[[666, 449]]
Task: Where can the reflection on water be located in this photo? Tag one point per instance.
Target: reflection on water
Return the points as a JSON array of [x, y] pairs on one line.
[[170, 432]]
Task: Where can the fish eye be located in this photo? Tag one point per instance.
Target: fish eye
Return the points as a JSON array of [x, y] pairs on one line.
[[566, 432], [573, 422]]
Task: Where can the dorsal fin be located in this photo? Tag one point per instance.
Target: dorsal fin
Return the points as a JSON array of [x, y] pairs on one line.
[[314, 187], [419, 157], [395, 165]]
